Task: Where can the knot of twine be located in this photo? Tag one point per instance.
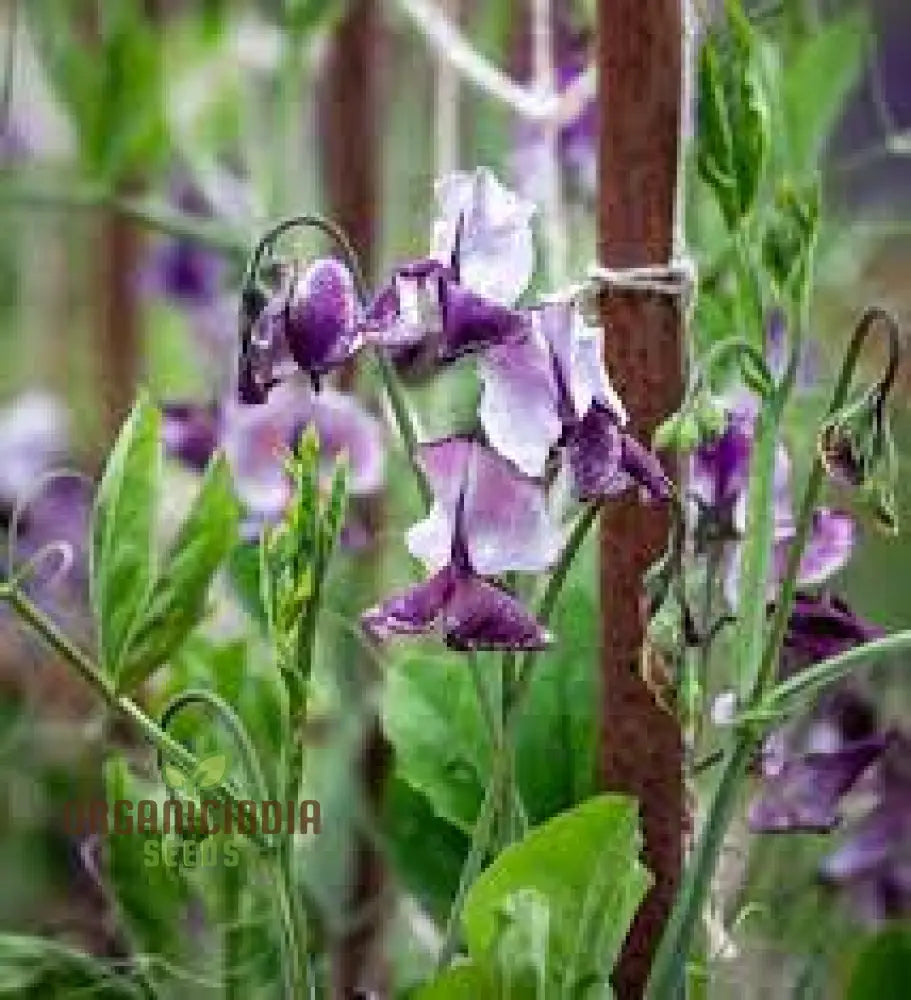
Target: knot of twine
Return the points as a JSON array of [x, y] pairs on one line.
[[676, 279]]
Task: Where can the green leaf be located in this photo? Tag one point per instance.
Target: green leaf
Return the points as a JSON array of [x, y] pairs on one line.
[[121, 556], [210, 771], [431, 716], [584, 867], [556, 737], [733, 135], [883, 969], [468, 981], [177, 601], [816, 83], [34, 968]]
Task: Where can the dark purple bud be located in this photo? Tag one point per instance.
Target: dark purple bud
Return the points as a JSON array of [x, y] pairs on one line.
[[321, 316], [823, 626]]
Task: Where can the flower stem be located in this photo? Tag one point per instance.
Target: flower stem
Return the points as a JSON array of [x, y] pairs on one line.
[[404, 422], [485, 824]]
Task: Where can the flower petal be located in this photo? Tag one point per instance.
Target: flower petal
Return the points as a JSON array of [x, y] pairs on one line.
[[491, 226], [445, 464], [473, 323], [595, 451], [412, 612], [829, 546], [482, 616], [506, 521], [518, 408], [806, 792], [322, 316]]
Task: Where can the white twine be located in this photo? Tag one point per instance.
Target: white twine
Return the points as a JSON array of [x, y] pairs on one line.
[[677, 278]]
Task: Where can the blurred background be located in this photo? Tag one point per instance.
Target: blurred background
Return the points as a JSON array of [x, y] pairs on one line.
[[128, 123]]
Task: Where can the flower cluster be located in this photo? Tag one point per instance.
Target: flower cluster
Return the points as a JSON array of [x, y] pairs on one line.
[[547, 404], [809, 769]]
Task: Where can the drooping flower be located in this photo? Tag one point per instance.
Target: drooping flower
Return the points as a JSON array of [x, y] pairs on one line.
[[873, 863], [487, 519], [552, 390], [309, 324], [718, 490], [460, 299], [256, 440]]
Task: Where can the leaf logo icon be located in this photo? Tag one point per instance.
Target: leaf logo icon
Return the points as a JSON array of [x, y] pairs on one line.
[[210, 771], [174, 777]]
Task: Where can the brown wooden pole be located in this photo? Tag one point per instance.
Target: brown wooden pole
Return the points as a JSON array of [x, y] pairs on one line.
[[640, 67], [348, 110]]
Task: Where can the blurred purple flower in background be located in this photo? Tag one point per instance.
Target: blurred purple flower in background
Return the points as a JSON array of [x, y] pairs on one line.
[[577, 139], [873, 864], [487, 519], [34, 442], [256, 440]]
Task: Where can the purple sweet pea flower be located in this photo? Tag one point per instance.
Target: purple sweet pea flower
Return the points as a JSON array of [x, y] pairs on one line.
[[807, 774], [459, 300], [821, 627], [257, 438], [718, 490], [311, 324], [873, 863], [487, 519], [557, 381]]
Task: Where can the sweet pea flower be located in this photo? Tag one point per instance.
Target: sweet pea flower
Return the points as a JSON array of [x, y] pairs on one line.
[[552, 389], [487, 519], [873, 864], [822, 626], [460, 299], [257, 438], [309, 324], [718, 488]]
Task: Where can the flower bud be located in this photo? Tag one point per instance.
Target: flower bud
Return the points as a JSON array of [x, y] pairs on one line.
[[321, 316]]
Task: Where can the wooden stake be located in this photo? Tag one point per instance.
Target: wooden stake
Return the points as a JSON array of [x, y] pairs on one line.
[[640, 71]]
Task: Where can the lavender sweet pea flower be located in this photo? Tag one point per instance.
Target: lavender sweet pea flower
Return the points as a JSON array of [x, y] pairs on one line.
[[873, 862], [191, 432], [821, 627], [803, 786], [557, 381], [34, 435], [718, 490], [486, 520], [460, 299]]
